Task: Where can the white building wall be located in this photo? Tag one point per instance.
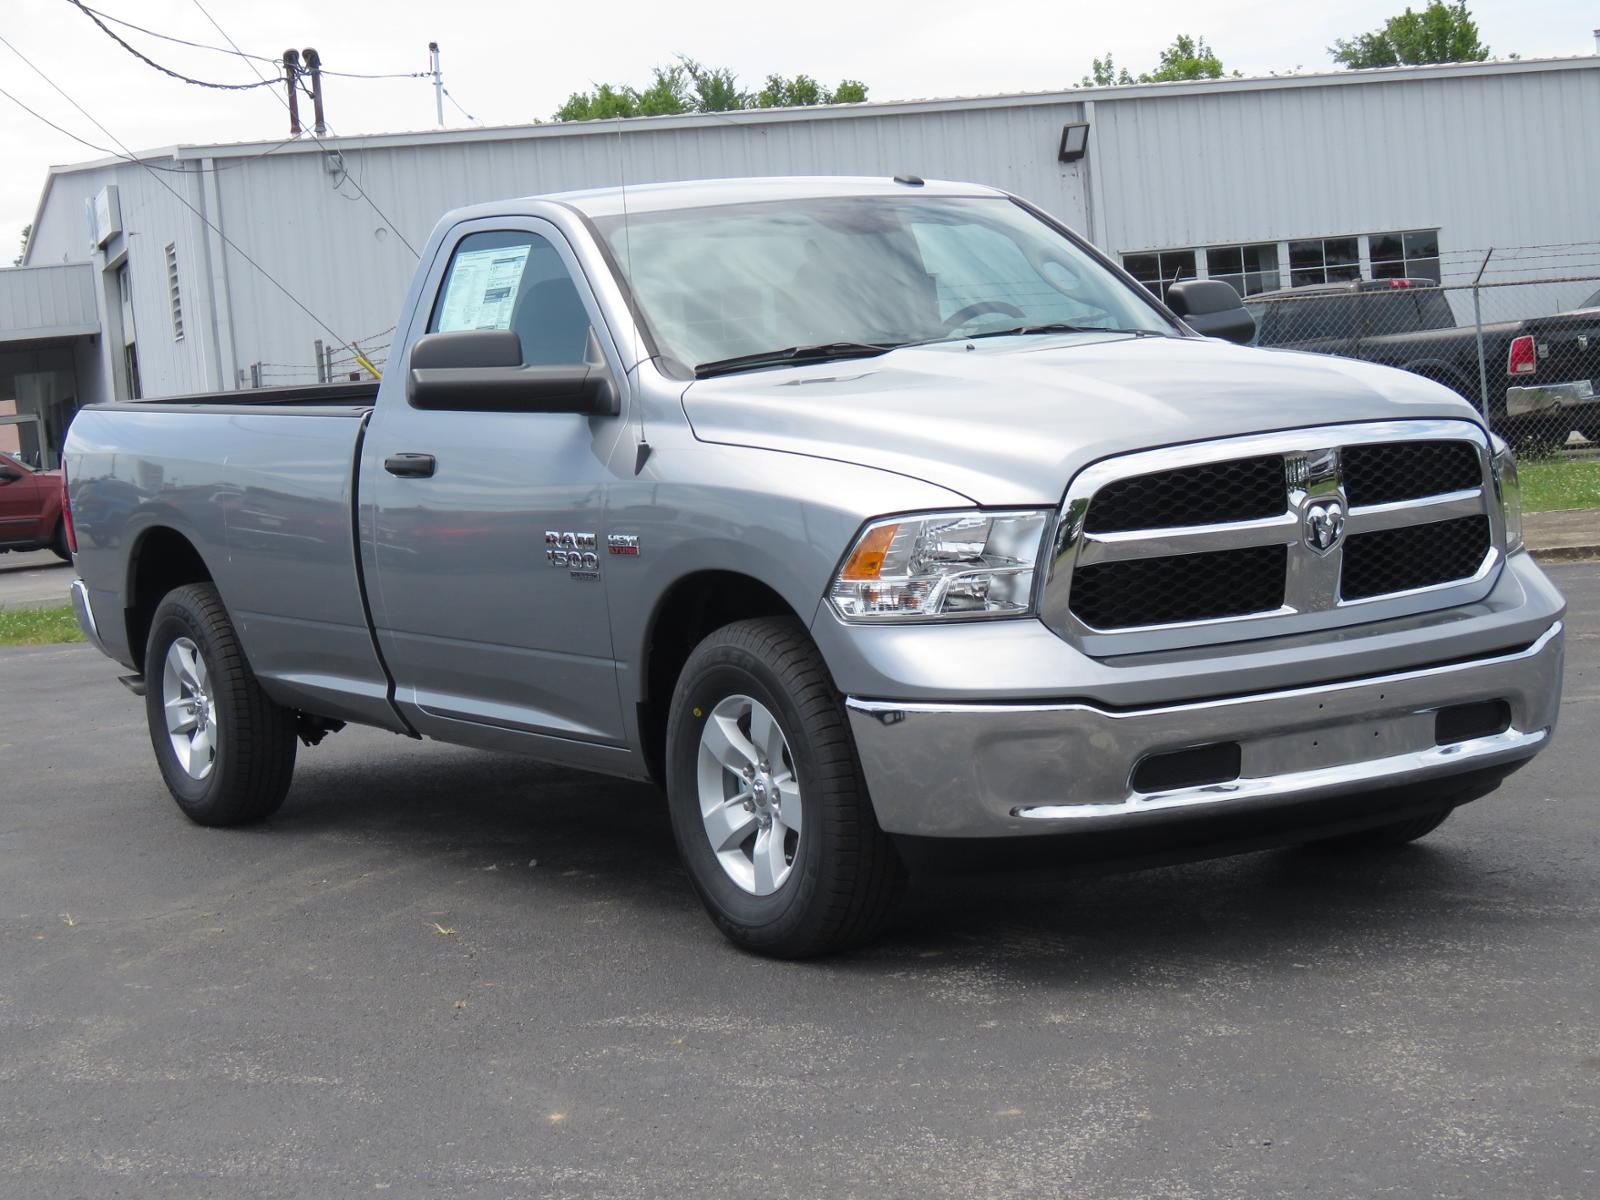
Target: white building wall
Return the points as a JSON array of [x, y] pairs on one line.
[[152, 217], [1491, 155], [312, 230], [1488, 159]]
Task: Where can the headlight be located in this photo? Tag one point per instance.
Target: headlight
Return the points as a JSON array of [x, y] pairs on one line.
[[1509, 491], [942, 566]]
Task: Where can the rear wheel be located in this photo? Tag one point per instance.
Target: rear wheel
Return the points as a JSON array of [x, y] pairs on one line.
[[224, 748], [769, 809]]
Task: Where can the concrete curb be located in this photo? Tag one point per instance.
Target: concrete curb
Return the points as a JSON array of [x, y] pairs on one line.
[[1565, 554]]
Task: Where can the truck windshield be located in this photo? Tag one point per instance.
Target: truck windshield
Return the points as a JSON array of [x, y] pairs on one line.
[[722, 282]]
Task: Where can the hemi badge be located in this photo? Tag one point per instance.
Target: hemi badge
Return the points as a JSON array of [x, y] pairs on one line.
[[623, 543]]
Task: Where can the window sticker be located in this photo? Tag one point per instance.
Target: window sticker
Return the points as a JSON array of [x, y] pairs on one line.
[[482, 289]]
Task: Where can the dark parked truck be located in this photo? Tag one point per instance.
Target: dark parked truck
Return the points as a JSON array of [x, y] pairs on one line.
[[1542, 373], [867, 517]]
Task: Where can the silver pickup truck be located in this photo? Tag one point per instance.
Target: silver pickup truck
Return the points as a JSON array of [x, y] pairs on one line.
[[867, 517]]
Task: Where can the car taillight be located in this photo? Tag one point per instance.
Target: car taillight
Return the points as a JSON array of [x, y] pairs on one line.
[[1523, 361], [66, 513]]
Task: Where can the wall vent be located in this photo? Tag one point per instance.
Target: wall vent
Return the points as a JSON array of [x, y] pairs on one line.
[[173, 294]]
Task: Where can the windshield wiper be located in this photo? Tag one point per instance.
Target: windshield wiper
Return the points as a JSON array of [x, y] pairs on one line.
[[822, 352], [1057, 327]]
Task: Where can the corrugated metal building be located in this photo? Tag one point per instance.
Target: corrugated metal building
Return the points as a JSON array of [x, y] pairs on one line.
[[1267, 181]]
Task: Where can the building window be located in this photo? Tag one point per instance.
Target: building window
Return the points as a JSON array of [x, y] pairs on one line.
[[173, 294], [1251, 269], [1158, 270], [1317, 261], [1409, 255]]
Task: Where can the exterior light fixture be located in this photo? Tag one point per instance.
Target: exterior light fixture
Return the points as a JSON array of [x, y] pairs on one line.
[[1074, 142]]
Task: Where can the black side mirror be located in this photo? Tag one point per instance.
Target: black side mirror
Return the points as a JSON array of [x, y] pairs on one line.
[[1211, 307], [481, 370], [9, 474]]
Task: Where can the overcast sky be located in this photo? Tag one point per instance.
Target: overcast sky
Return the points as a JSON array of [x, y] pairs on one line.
[[508, 63]]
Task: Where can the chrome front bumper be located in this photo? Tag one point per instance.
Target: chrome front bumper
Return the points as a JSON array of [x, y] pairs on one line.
[[1520, 401], [997, 770]]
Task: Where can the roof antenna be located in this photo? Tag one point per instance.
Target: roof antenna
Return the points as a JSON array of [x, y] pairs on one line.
[[641, 450]]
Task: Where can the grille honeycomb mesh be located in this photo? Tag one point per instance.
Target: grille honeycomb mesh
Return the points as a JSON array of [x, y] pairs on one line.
[[1241, 489], [1397, 560], [1179, 587], [1384, 472]]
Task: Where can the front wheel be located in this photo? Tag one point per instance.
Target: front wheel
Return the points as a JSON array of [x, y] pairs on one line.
[[224, 748], [769, 809]]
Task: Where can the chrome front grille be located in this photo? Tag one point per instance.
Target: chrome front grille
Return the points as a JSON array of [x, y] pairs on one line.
[[1276, 533]]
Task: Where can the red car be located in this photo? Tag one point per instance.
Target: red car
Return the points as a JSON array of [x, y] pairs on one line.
[[30, 509]]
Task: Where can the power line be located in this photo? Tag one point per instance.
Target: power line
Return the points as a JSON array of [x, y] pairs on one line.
[[167, 37], [128, 158], [457, 103], [235, 51], [148, 61], [179, 197], [356, 183]]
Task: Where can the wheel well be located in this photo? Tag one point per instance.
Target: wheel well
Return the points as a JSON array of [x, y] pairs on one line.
[[694, 607], [163, 560]]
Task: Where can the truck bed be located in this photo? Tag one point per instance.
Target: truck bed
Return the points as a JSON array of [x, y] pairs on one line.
[[265, 491], [360, 396]]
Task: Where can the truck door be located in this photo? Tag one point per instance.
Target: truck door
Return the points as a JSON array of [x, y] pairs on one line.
[[477, 620], [19, 502]]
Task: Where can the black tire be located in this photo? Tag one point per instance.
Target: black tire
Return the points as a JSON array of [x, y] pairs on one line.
[[845, 876], [254, 738], [1397, 833], [58, 542]]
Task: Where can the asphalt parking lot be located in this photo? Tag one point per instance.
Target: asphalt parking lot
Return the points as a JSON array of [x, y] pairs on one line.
[[33, 579], [442, 973]]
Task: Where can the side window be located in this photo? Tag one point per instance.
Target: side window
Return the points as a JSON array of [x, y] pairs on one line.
[[514, 280]]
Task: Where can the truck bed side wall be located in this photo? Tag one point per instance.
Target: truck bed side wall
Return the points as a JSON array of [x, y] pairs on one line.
[[265, 499]]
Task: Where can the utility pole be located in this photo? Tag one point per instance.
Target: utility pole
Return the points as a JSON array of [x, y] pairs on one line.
[[438, 80], [291, 73], [313, 62]]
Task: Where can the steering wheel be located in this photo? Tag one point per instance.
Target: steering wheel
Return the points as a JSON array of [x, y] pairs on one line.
[[958, 319]]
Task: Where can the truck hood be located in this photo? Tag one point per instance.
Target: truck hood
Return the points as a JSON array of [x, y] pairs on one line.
[[1009, 421]]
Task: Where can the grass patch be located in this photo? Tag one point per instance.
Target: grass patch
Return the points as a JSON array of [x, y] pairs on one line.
[[39, 627], [1552, 483]]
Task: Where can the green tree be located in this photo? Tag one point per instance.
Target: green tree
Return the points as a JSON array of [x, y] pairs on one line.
[[1440, 33], [716, 89], [1105, 74], [27, 232], [604, 103], [1186, 58], [667, 94], [690, 86], [798, 92]]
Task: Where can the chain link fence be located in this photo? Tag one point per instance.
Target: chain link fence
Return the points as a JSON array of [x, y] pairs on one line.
[[1517, 335]]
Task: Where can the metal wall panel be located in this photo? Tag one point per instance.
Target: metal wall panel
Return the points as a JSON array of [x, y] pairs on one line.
[[333, 249], [1495, 154], [38, 302], [1492, 160], [152, 217]]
